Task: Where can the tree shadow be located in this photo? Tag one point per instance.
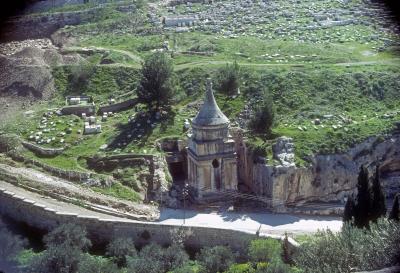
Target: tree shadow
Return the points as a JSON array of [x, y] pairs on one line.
[[140, 127]]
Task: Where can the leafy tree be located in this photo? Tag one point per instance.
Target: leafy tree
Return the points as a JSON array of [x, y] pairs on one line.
[[362, 215], [352, 248], [174, 257], [10, 246], [119, 248], [96, 264], [189, 267], [215, 259], [395, 212], [263, 117], [153, 258], [264, 250], [68, 235], [378, 206], [229, 79], [155, 87], [65, 249], [349, 210], [149, 260], [275, 266], [79, 77], [241, 268]]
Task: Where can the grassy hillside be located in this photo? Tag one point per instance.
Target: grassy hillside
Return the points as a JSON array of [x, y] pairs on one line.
[[345, 76]]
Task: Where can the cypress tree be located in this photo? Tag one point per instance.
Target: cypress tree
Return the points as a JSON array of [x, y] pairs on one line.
[[394, 214], [362, 212], [378, 206], [349, 209]]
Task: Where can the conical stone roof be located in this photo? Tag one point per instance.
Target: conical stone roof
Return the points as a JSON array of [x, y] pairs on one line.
[[210, 114]]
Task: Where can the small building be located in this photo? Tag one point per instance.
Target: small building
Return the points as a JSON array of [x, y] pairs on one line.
[[91, 127], [179, 21], [77, 105], [212, 162]]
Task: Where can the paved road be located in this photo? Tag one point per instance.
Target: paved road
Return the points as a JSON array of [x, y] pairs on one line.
[[271, 224], [274, 224]]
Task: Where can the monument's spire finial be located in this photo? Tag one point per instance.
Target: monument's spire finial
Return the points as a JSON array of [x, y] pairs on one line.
[[210, 114]]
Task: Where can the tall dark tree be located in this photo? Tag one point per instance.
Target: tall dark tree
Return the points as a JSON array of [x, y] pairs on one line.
[[264, 116], [378, 206], [363, 205], [349, 209], [395, 212], [155, 87], [229, 79]]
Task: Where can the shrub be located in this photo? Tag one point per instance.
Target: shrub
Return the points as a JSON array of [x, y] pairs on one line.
[[174, 257], [215, 259], [96, 264], [241, 268], [10, 244], [263, 117], [264, 250], [275, 266], [229, 79], [153, 258], [351, 249], [68, 236], [156, 86], [65, 249], [119, 248]]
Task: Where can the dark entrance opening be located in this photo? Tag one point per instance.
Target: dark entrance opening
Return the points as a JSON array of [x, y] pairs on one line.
[[217, 174], [176, 169]]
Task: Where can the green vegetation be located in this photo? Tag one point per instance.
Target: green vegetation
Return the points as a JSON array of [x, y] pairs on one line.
[[119, 191], [351, 249], [155, 86], [264, 250], [263, 117], [348, 250], [229, 79], [370, 203]]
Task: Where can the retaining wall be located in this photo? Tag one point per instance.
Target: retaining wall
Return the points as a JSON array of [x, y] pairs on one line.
[[117, 107], [102, 230], [41, 151], [79, 110]]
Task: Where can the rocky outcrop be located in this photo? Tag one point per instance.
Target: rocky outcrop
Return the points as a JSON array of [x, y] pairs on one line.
[[333, 177], [283, 151], [26, 73], [329, 178]]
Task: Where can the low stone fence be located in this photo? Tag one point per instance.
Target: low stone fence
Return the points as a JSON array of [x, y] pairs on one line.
[[61, 173], [117, 107], [79, 110], [102, 230], [41, 151], [66, 174], [126, 160]]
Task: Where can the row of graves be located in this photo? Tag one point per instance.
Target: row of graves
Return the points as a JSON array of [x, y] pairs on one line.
[[57, 128], [332, 21]]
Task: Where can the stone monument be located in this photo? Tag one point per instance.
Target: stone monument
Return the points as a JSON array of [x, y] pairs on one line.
[[212, 162]]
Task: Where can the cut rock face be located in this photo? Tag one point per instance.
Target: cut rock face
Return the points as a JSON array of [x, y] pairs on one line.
[[283, 150]]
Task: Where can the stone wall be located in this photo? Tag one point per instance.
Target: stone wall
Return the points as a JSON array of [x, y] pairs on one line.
[[117, 107], [79, 110], [41, 151], [102, 230]]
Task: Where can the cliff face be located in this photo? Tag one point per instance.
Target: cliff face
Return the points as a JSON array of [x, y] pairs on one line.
[[329, 178]]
